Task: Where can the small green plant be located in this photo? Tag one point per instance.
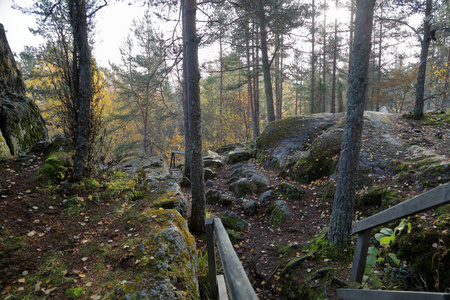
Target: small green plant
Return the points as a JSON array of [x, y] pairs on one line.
[[203, 273], [381, 258]]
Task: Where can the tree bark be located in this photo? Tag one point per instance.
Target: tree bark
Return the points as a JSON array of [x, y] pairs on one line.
[[187, 130], [197, 222], [313, 57], [249, 82], [333, 84], [80, 159], [420, 86], [341, 218], [265, 63], [324, 63], [446, 88]]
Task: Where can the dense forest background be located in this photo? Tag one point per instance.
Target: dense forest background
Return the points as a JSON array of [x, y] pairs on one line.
[[304, 46]]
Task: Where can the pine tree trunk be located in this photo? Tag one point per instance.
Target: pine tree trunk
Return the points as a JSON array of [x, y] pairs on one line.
[[187, 130], [197, 222], [333, 85], [265, 63], [446, 87], [324, 63], [342, 215], [84, 99], [313, 58], [249, 82], [420, 86]]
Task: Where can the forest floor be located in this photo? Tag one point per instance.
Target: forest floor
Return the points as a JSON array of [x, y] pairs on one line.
[[68, 242]]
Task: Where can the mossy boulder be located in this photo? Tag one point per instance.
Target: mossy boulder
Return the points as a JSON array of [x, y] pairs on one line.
[[21, 124], [283, 138], [279, 212], [166, 265], [288, 191], [239, 155], [165, 192], [4, 149], [322, 157], [212, 160], [152, 165], [423, 168], [232, 221], [55, 168], [425, 250], [242, 187]]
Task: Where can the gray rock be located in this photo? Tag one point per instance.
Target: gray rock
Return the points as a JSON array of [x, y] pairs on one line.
[[232, 221], [213, 197], [212, 160], [279, 212], [250, 207], [209, 174], [242, 187], [168, 243], [209, 183], [21, 124], [235, 237], [239, 155], [266, 196], [165, 192], [247, 171]]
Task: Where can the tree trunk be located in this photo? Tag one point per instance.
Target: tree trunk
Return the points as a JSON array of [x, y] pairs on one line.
[[341, 218], [352, 29], [256, 80], [221, 89], [187, 130], [80, 159], [324, 63], [313, 58], [380, 40], [446, 88], [197, 222], [333, 84], [249, 82], [420, 86], [265, 63]]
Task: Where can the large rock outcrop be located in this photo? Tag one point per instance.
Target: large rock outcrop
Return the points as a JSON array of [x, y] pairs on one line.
[[21, 124]]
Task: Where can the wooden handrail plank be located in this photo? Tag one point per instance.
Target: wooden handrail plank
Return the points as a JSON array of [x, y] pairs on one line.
[[238, 284], [433, 198], [360, 256], [213, 287], [353, 294]]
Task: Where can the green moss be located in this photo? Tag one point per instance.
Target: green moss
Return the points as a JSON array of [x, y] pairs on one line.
[[77, 292], [376, 196], [55, 167], [322, 157], [425, 250], [161, 257], [167, 201]]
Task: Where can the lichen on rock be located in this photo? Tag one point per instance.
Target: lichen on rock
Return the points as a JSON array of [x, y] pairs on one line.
[[166, 266]]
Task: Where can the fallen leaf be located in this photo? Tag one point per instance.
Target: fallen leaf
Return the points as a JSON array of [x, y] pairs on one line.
[[25, 273], [22, 280], [84, 258], [31, 233], [89, 284]]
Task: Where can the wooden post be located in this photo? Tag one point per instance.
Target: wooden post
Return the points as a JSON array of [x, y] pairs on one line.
[[213, 289], [359, 260]]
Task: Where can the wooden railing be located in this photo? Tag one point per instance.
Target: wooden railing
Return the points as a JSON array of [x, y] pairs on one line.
[[431, 199], [238, 286], [172, 158]]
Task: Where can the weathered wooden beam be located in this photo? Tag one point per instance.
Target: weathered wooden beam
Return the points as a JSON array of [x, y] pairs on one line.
[[238, 284], [352, 294], [431, 199], [172, 158], [360, 256], [213, 287], [222, 288]]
